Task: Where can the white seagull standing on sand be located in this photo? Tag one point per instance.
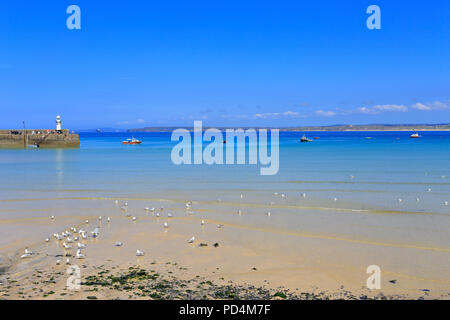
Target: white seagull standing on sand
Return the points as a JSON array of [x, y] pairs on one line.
[[67, 261], [52, 217], [79, 255], [108, 220], [203, 222], [139, 253], [191, 240], [81, 245], [27, 253], [118, 244], [134, 218], [166, 225], [66, 246]]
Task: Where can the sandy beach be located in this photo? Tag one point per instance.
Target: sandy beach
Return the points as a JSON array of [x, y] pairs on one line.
[[237, 260]]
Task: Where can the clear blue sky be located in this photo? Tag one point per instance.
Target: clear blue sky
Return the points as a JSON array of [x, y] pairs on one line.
[[276, 63]]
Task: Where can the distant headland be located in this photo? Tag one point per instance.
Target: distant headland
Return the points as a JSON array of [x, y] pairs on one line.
[[337, 127]]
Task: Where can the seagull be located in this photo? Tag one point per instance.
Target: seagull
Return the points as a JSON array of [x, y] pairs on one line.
[[152, 209], [146, 209], [242, 196], [67, 261], [399, 200], [219, 226], [125, 204], [191, 240], [58, 262], [417, 199], [157, 214], [83, 235], [239, 212], [69, 240], [169, 215], [66, 246], [275, 193], [47, 239], [118, 244], [52, 217], [81, 245], [109, 219], [166, 225], [134, 218], [445, 203], [139, 253], [116, 202], [283, 195], [75, 238], [429, 189], [79, 255], [203, 222], [268, 214], [335, 199], [87, 221], [100, 218], [27, 253], [58, 237]]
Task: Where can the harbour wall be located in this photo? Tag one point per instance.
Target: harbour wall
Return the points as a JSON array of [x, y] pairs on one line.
[[41, 138]]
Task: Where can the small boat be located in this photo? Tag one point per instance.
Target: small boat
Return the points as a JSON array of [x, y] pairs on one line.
[[414, 135], [305, 139], [132, 141]]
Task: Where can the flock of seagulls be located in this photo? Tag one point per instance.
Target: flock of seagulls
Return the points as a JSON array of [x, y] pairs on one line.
[[72, 235]]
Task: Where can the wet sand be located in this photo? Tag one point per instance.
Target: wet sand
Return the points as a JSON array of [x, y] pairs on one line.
[[256, 256]]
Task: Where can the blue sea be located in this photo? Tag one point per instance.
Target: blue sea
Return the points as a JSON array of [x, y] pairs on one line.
[[369, 173]]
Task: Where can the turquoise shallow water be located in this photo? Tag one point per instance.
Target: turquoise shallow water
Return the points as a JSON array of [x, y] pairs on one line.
[[365, 173]]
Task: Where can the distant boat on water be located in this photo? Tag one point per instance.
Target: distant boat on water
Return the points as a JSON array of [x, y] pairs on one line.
[[305, 139], [132, 141], [414, 135]]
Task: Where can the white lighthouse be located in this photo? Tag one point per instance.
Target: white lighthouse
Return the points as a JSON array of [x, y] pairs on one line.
[[58, 123]]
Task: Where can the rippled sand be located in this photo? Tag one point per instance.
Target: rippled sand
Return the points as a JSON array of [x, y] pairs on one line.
[[304, 245]]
